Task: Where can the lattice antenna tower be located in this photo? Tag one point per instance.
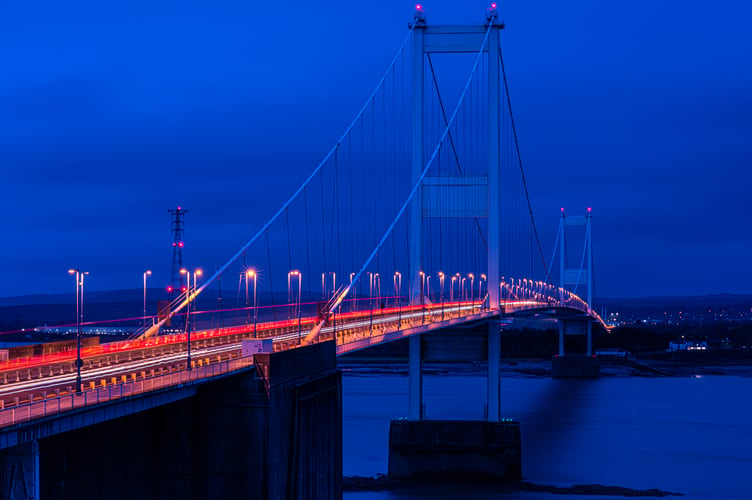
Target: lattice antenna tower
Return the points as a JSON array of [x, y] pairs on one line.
[[178, 225]]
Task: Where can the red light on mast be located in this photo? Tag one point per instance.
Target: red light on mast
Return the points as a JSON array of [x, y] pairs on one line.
[[493, 5], [169, 289], [418, 6], [180, 244]]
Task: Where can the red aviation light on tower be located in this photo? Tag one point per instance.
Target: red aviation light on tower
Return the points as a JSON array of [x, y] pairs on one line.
[[491, 14], [419, 14], [169, 289], [589, 209], [181, 244]]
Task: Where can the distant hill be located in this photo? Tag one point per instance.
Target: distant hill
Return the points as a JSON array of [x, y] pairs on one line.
[[654, 304]]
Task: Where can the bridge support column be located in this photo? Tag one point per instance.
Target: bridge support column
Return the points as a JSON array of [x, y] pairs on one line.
[[19, 468], [568, 365], [415, 389], [589, 350], [268, 432], [493, 408]]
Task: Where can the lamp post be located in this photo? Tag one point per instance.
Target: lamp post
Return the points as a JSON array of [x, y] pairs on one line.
[[422, 302], [79, 320], [472, 282], [187, 274], [480, 283], [189, 299], [370, 299], [441, 293], [297, 273], [397, 290], [354, 290], [146, 273], [251, 273], [247, 305], [194, 297]]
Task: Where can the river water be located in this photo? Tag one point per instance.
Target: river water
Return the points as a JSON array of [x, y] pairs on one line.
[[686, 435]]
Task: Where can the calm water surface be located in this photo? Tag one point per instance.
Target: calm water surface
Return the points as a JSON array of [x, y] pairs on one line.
[[687, 435]]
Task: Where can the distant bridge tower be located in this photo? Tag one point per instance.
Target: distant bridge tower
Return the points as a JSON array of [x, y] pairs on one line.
[[178, 224], [577, 279]]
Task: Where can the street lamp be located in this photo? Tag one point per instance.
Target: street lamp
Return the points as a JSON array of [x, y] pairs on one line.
[[247, 275], [451, 289], [189, 298], [251, 273], [79, 320], [146, 273], [422, 297], [188, 311], [441, 293], [472, 282], [187, 274], [397, 290], [480, 283], [354, 290], [297, 273], [194, 297]]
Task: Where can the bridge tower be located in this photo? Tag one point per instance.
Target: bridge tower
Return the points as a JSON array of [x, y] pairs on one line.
[[577, 279], [460, 189]]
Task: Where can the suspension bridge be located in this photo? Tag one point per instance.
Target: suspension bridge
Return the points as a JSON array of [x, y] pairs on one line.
[[418, 219]]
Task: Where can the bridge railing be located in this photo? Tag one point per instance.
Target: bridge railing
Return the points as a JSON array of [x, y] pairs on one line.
[[54, 404]]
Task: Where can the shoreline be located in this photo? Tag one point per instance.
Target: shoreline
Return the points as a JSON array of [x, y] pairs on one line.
[[382, 482], [541, 368]]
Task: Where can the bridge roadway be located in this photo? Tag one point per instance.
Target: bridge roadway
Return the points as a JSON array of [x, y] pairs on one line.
[[43, 385]]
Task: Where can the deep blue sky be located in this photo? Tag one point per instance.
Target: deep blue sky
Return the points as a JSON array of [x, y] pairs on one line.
[[111, 114]]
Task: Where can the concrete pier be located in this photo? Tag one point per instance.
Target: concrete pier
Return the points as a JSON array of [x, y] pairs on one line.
[[455, 450]]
